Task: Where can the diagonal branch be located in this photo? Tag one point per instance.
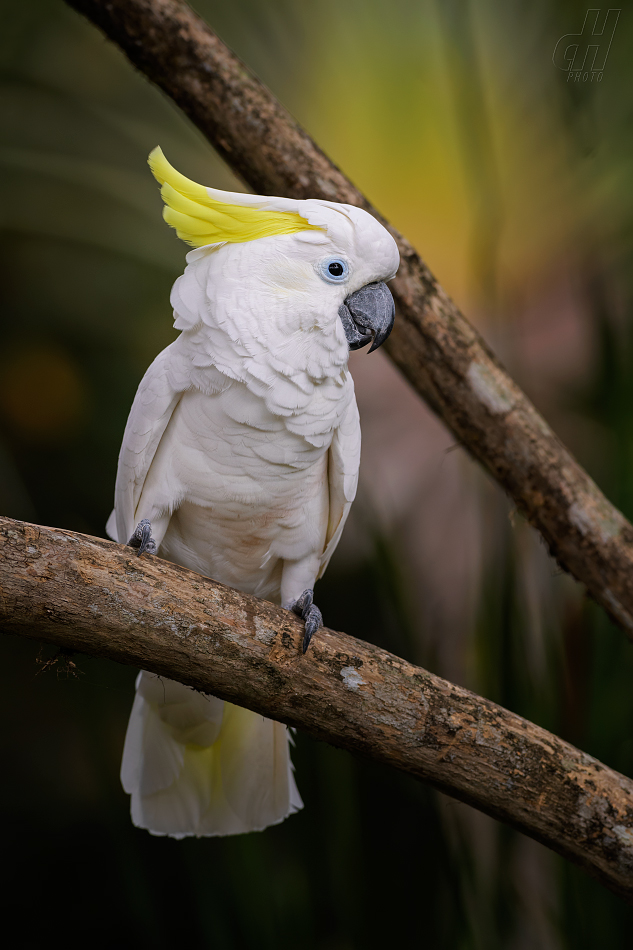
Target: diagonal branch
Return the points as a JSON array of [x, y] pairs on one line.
[[438, 351], [98, 597]]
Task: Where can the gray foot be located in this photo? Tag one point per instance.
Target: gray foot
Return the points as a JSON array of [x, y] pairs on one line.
[[310, 613], [142, 538]]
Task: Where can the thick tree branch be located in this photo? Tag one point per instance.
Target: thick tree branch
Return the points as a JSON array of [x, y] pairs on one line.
[[435, 347], [97, 597]]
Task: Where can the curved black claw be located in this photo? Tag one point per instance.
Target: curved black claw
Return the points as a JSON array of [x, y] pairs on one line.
[[142, 538], [305, 608]]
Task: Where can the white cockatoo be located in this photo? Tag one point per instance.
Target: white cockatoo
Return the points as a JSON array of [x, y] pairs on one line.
[[240, 461]]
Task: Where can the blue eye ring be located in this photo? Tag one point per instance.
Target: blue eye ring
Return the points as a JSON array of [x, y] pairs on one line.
[[335, 270]]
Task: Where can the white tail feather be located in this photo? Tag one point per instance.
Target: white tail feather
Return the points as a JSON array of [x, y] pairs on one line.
[[197, 766]]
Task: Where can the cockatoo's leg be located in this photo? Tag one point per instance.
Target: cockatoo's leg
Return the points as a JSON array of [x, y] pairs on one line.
[[299, 576], [142, 538], [310, 613]]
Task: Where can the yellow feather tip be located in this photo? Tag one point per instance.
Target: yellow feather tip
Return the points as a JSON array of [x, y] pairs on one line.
[[200, 219]]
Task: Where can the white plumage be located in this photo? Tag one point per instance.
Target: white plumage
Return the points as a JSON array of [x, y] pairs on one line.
[[242, 449]]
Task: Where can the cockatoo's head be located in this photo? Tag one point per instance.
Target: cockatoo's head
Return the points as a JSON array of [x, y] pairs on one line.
[[322, 264]]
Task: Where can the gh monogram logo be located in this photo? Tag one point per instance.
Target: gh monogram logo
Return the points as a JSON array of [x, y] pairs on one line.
[[583, 55]]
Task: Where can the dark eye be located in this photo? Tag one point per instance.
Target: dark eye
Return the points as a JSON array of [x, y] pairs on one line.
[[334, 270]]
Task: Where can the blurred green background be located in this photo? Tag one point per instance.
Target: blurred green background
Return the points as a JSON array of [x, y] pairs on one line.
[[516, 185]]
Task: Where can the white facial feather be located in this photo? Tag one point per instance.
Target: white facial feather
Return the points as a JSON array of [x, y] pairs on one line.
[[261, 313]]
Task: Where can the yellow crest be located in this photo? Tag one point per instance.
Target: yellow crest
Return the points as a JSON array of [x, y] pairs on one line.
[[201, 219]]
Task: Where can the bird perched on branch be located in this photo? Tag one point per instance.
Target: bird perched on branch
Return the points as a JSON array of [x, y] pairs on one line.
[[240, 461]]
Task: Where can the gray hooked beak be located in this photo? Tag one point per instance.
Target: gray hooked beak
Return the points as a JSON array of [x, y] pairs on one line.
[[368, 314]]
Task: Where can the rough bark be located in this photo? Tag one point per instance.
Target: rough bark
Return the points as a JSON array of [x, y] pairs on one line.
[[97, 597], [441, 355]]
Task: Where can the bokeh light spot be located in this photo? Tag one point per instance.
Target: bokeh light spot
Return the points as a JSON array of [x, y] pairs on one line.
[[42, 395]]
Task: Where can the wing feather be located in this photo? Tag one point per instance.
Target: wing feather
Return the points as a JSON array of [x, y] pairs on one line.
[[158, 395], [343, 466]]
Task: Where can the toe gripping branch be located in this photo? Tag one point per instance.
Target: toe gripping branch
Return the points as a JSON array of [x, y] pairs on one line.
[[305, 608], [142, 538]]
